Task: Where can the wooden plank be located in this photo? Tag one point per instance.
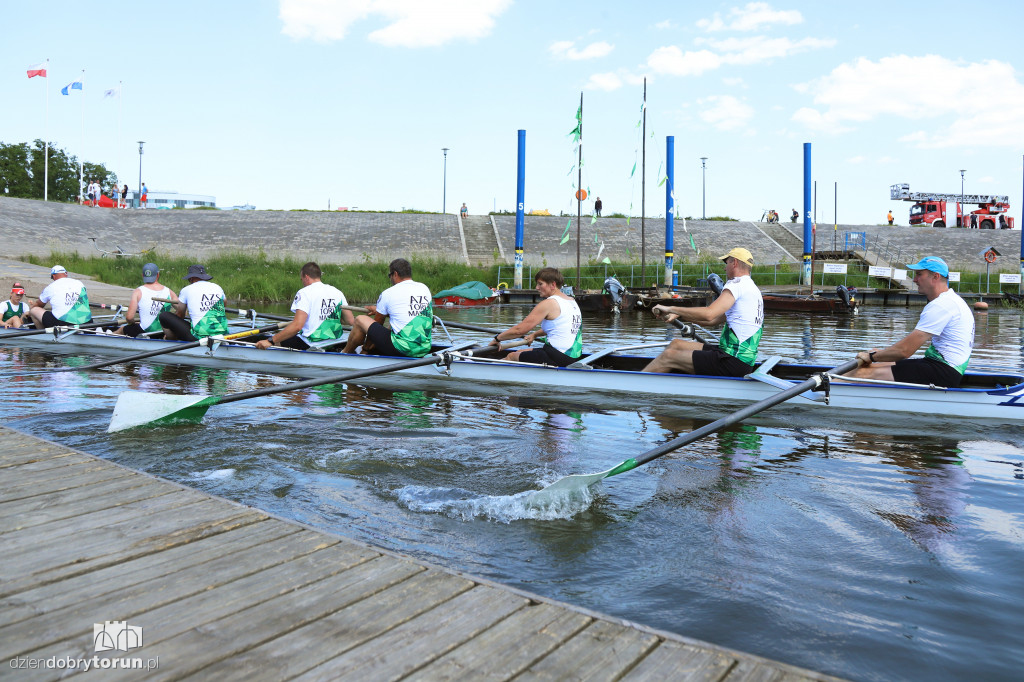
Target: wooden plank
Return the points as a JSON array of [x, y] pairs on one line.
[[214, 641], [306, 647], [71, 476], [87, 523], [187, 525], [158, 566], [35, 513], [509, 647], [66, 503], [602, 651], [34, 459], [244, 567], [678, 661], [409, 646]]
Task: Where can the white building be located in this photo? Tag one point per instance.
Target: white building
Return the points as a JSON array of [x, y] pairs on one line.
[[163, 199]]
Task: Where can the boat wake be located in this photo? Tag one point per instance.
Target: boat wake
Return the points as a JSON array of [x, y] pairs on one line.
[[466, 505]]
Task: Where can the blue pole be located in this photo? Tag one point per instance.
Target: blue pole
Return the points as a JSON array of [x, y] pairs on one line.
[[1020, 285], [517, 281], [670, 169], [808, 235]]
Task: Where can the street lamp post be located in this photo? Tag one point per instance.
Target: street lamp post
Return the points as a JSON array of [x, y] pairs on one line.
[[138, 197], [959, 218], [703, 190], [444, 185]]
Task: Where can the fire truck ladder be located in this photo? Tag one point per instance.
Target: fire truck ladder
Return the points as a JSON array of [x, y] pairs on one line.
[[902, 193]]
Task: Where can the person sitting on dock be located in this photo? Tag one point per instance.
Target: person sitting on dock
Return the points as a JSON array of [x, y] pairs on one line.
[[740, 306], [409, 305], [319, 313], [560, 320], [14, 311], [69, 302], [143, 312], [946, 322], [203, 301]]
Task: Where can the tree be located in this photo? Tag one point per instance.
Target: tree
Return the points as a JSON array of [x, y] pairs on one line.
[[14, 176], [22, 171]]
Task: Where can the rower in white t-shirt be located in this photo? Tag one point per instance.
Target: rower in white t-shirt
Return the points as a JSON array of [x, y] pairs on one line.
[[319, 313], [203, 301], [68, 301], [411, 309]]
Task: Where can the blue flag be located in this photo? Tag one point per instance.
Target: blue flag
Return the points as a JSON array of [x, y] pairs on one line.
[[74, 85]]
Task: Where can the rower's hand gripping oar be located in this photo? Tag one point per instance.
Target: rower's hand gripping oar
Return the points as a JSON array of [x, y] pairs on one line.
[[163, 351], [569, 485], [138, 408]]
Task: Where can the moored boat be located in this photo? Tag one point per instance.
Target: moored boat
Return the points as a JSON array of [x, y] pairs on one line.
[[612, 373], [468, 294]]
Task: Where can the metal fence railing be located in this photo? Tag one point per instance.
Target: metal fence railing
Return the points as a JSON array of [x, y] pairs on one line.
[[696, 274]]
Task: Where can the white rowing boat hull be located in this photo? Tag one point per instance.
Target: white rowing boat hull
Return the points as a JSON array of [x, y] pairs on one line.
[[1003, 402]]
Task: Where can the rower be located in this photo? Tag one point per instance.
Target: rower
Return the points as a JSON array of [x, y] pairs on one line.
[[739, 306], [946, 321], [559, 318], [14, 311], [142, 303], [204, 302], [319, 313], [69, 302], [408, 303]]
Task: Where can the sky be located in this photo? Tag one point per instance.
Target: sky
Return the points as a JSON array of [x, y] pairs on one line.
[[316, 104]]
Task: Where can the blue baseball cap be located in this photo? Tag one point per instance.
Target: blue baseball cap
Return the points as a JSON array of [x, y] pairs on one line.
[[933, 263]]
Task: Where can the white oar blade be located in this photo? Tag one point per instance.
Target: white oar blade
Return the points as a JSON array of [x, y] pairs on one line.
[[564, 489], [138, 408]]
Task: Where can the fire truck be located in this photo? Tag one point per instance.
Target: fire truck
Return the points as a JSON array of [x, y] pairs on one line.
[[946, 210]]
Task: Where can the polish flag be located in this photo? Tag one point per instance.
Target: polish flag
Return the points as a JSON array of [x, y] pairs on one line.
[[37, 70]]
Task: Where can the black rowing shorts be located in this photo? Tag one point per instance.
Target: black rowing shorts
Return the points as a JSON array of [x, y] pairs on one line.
[[926, 371], [712, 361]]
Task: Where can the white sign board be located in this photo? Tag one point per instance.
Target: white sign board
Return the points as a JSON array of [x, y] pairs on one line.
[[834, 268], [899, 274], [878, 271], [1008, 278], [954, 277]]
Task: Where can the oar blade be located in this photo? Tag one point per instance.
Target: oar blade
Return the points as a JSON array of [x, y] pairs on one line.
[[138, 408], [569, 488]]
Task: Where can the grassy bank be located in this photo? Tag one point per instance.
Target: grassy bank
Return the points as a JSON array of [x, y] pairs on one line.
[[258, 277]]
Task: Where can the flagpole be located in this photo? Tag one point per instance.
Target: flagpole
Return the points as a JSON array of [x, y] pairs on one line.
[[81, 149], [579, 201], [120, 150], [643, 195], [46, 134]]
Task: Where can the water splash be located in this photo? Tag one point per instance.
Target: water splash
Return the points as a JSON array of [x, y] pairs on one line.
[[466, 505], [212, 474]]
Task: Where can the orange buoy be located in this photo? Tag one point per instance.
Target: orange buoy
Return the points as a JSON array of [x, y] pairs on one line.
[[581, 194], [980, 305]]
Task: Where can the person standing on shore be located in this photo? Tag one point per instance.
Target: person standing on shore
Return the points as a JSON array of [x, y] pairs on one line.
[[144, 197], [124, 196], [68, 300], [409, 305], [203, 301], [890, 217], [597, 206], [142, 303], [319, 313]]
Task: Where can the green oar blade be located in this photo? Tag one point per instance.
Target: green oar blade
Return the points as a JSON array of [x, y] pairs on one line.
[[565, 489], [138, 408]]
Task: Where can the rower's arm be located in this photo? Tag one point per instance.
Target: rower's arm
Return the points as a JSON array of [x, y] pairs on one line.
[[293, 328], [133, 306], [711, 315], [900, 350], [541, 311]]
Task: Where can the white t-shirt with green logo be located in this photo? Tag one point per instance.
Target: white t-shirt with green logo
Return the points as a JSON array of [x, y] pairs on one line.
[[411, 309], [322, 305], [205, 303], [951, 324], [743, 321], [68, 300]]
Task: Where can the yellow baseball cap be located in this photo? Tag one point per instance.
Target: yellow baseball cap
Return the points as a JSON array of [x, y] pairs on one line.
[[740, 254]]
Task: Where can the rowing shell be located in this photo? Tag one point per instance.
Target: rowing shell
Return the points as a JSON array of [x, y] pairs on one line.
[[981, 396]]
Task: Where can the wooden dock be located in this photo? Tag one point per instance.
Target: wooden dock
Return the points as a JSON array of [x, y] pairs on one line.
[[222, 591]]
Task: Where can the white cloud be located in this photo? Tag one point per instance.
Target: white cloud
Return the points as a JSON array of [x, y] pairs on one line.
[[604, 81], [673, 61], [566, 49], [734, 82], [855, 160], [752, 17], [665, 25], [411, 23], [725, 112], [741, 51], [864, 90]]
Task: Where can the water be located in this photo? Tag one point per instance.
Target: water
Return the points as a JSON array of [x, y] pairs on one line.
[[865, 547]]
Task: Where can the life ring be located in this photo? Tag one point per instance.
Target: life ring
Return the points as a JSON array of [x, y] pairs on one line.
[[502, 285], [990, 256]]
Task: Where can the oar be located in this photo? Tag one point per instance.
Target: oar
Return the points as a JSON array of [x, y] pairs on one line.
[[455, 325], [570, 485], [138, 408], [233, 311], [50, 330], [163, 351]]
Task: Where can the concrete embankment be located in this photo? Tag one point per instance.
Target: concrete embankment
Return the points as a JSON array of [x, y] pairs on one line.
[[37, 228]]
